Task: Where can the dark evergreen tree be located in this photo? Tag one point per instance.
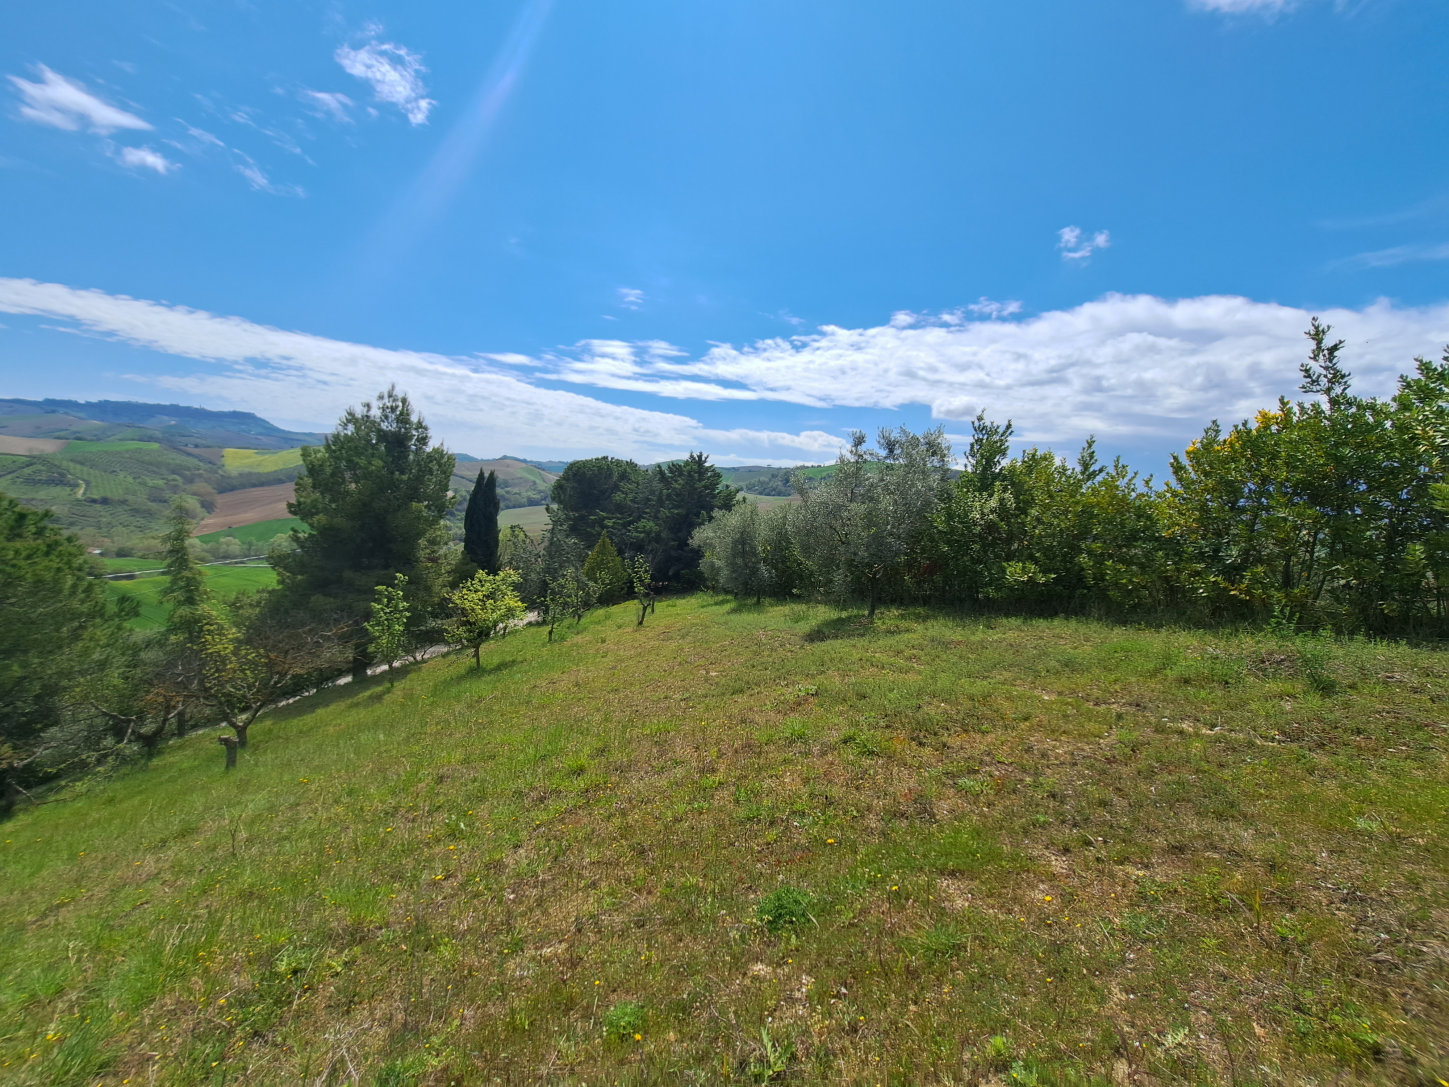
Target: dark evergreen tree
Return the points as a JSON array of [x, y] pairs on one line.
[[691, 491], [607, 571], [480, 523], [595, 496], [374, 495], [51, 611]]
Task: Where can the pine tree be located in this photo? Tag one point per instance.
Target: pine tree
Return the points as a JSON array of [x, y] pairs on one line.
[[374, 495], [605, 569], [480, 524]]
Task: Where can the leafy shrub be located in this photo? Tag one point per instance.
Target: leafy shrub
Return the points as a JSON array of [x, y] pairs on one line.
[[784, 907], [624, 1019]]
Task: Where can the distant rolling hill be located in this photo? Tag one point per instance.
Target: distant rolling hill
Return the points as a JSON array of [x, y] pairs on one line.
[[110, 469], [171, 424]]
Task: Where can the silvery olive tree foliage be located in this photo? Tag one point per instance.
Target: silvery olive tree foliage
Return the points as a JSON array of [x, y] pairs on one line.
[[864, 530]]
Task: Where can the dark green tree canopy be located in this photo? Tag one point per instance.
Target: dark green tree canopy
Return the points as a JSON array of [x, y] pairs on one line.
[[374, 495], [50, 609], [480, 523], [594, 496], [691, 491]]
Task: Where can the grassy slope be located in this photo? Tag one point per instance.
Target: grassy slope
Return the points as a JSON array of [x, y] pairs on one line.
[[225, 581], [260, 460], [534, 519], [256, 535], [1126, 856]]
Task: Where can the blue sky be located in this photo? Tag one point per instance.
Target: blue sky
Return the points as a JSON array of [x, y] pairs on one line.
[[570, 228]]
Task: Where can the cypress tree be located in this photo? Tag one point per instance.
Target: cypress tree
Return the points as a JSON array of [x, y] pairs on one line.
[[480, 524], [605, 569]]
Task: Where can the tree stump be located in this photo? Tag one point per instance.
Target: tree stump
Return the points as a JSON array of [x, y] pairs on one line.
[[230, 743]]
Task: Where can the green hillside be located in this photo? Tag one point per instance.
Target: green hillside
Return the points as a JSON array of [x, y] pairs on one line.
[[770, 844], [519, 484], [225, 581], [116, 492], [256, 536], [260, 460], [533, 519]]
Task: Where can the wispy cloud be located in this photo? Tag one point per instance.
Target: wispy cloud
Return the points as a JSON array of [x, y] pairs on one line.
[[394, 72], [1126, 365], [1072, 246], [1400, 254], [994, 311], [630, 297], [1244, 7], [144, 158], [247, 166], [64, 103], [295, 376], [328, 104]]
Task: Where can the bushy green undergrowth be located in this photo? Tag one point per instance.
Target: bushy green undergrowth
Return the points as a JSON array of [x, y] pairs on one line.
[[1013, 851]]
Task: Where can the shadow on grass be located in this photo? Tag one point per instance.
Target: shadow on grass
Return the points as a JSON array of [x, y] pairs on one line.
[[489, 668], [843, 626]]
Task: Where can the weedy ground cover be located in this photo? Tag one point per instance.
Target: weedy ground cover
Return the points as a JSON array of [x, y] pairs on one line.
[[767, 844]]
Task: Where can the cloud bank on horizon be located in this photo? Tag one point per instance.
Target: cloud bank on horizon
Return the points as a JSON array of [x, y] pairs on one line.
[[1122, 365]]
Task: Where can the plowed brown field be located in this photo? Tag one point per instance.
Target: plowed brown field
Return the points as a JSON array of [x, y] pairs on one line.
[[247, 507]]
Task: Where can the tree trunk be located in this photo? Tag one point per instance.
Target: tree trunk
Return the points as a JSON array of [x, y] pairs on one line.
[[870, 613], [359, 663], [478, 655], [241, 733], [231, 744], [181, 725]]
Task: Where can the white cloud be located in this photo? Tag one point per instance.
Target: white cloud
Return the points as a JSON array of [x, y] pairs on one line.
[[394, 72], [64, 103], [1401, 254], [630, 297], [1123, 365], [201, 136], [145, 158], [1069, 241], [1135, 368], [985, 307], [473, 403], [1244, 7], [328, 104], [247, 166]]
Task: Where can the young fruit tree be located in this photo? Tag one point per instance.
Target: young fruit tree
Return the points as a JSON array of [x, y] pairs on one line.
[[481, 608], [387, 627], [641, 574]]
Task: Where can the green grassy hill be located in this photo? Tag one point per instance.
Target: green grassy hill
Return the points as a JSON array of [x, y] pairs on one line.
[[519, 484], [258, 535], [533, 519], [766, 845], [225, 581], [260, 460]]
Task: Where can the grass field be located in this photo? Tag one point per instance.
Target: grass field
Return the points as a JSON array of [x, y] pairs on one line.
[[533, 519], [260, 460], [770, 844], [225, 581], [765, 501], [112, 446], [256, 535], [129, 565]]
